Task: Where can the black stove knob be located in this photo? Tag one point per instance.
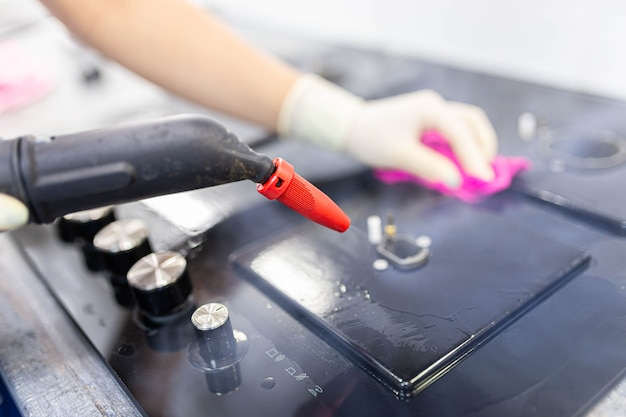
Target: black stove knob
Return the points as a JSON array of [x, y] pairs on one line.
[[122, 243], [214, 331], [84, 224], [81, 227], [160, 284], [218, 349]]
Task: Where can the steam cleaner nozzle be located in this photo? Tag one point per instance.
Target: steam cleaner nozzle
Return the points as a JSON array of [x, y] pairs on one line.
[[303, 197]]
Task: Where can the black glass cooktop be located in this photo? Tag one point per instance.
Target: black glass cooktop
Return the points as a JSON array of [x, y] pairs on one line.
[[407, 327]]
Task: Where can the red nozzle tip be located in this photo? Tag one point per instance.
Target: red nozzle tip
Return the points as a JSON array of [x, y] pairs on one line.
[[303, 197]]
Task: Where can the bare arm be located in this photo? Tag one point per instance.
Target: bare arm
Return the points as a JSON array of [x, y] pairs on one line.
[[189, 52], [185, 50]]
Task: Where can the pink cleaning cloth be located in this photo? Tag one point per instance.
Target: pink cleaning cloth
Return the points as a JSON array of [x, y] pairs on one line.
[[22, 80], [472, 189]]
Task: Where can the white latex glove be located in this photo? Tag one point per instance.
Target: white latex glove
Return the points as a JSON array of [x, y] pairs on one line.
[[13, 213], [385, 133]]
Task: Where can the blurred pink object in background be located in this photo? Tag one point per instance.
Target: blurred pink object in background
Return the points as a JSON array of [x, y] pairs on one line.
[[22, 79]]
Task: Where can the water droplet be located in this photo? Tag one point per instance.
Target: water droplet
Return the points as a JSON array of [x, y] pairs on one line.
[[343, 288], [268, 306], [380, 264], [268, 383]]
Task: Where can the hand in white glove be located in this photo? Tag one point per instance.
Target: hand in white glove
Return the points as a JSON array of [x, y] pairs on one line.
[[385, 133], [13, 213]]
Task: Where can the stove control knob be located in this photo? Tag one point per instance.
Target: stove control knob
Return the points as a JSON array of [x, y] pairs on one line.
[[218, 349], [84, 224], [81, 227], [214, 331], [160, 284], [122, 243]]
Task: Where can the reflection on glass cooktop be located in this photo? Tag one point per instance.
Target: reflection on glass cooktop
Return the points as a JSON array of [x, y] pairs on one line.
[[409, 326]]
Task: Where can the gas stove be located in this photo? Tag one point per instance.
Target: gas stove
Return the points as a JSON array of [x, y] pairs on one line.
[[503, 307]]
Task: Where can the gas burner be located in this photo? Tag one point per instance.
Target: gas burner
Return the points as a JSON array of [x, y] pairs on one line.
[[580, 149]]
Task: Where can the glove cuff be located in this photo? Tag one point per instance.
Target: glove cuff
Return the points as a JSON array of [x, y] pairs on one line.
[[318, 111], [13, 213]]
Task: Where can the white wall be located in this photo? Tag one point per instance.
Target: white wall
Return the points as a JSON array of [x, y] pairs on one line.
[[577, 44]]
